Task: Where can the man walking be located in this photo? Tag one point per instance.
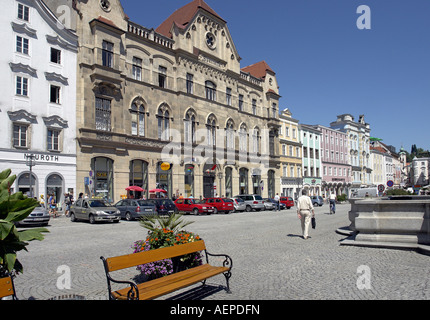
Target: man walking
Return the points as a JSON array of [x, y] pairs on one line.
[[332, 203], [277, 199], [304, 210]]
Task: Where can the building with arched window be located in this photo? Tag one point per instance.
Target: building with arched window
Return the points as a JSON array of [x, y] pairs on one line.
[[179, 87]]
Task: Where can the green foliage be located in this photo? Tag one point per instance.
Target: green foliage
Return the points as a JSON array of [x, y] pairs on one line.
[[398, 192], [342, 197], [14, 208], [174, 222]]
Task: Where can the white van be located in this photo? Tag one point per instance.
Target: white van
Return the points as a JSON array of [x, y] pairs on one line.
[[362, 192]]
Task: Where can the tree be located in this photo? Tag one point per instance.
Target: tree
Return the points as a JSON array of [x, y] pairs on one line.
[[13, 208]]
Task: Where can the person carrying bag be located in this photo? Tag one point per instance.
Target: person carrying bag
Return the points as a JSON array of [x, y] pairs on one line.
[[304, 211]]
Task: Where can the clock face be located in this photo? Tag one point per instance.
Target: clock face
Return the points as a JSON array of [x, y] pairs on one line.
[[210, 40]]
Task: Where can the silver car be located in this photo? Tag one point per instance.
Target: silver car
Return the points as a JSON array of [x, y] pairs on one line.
[[252, 201], [39, 216], [94, 210], [239, 204]]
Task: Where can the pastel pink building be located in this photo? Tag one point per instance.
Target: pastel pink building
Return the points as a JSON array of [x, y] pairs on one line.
[[336, 167]]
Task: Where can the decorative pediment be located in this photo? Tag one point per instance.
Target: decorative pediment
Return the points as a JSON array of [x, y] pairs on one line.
[[22, 116], [55, 122], [52, 76], [23, 68], [57, 41], [24, 29]]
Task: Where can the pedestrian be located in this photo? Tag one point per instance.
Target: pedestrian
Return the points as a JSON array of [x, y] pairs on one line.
[[332, 203], [304, 211], [277, 199], [53, 207]]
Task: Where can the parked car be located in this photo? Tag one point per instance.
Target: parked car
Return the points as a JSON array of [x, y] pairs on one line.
[[252, 201], [268, 205], [221, 204], [288, 201], [164, 206], [94, 210], [267, 202], [134, 209], [317, 200], [192, 205], [39, 216], [239, 204]]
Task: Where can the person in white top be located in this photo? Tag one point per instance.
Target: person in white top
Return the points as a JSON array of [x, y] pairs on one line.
[[277, 199], [304, 210], [332, 202]]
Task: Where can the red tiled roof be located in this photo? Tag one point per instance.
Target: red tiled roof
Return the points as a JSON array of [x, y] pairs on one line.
[[183, 16], [107, 21], [258, 70]]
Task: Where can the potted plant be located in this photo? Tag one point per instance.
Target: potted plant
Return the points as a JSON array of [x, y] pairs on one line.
[[165, 232], [14, 207]]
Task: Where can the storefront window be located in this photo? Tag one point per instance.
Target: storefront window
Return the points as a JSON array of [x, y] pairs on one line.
[[271, 183], [189, 180], [228, 182], [139, 177], [243, 181], [164, 178], [103, 178]]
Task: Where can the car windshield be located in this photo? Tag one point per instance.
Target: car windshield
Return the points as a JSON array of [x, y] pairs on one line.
[[228, 200], [97, 203], [239, 200]]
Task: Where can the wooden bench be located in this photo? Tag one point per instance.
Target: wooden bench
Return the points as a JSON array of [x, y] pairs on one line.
[[158, 287], [7, 288]]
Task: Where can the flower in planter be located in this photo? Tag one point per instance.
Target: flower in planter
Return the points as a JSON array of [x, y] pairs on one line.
[[162, 238]]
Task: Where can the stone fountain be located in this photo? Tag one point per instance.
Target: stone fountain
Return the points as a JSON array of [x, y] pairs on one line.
[[401, 222]]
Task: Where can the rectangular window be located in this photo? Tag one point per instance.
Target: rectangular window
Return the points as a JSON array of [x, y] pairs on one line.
[[228, 96], [23, 12], [22, 86], [162, 77], [254, 107], [107, 54], [22, 45], [190, 83], [55, 94], [240, 102], [137, 69], [53, 140], [20, 135], [55, 56], [103, 114]]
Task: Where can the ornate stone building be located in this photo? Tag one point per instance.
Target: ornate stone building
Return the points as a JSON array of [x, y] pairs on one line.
[[171, 108]]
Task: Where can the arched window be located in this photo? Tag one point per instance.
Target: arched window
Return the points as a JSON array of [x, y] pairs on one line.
[[163, 123], [190, 127], [139, 175], [210, 90], [211, 130], [230, 134], [243, 138], [137, 120], [256, 137], [103, 177]]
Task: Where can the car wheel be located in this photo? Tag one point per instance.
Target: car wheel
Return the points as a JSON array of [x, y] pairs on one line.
[[92, 219], [128, 216], [248, 209], [196, 211], [73, 218]]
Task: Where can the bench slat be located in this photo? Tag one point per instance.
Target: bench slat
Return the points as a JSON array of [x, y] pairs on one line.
[[6, 287], [135, 259], [159, 287]]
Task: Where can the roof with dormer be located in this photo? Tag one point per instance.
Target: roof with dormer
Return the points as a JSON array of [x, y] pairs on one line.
[[258, 70], [182, 17]]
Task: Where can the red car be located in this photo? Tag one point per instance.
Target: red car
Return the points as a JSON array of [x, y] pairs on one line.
[[288, 201], [193, 205], [221, 204]]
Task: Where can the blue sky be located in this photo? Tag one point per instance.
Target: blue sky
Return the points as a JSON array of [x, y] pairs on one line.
[[325, 65]]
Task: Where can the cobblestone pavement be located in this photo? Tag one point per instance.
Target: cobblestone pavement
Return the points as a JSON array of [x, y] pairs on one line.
[[270, 260]]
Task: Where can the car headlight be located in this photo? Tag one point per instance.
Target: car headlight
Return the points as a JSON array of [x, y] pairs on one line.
[[118, 212], [204, 208], [100, 212]]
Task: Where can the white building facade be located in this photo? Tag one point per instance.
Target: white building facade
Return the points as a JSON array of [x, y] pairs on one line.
[[38, 101]]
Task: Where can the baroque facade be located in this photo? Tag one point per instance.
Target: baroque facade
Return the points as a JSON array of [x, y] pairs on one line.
[[291, 155], [171, 108], [38, 101]]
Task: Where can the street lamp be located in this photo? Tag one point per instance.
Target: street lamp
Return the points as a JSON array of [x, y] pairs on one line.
[[30, 161], [220, 176]]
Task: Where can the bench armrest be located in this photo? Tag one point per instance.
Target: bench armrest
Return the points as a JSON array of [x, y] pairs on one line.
[[132, 294], [228, 262]]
